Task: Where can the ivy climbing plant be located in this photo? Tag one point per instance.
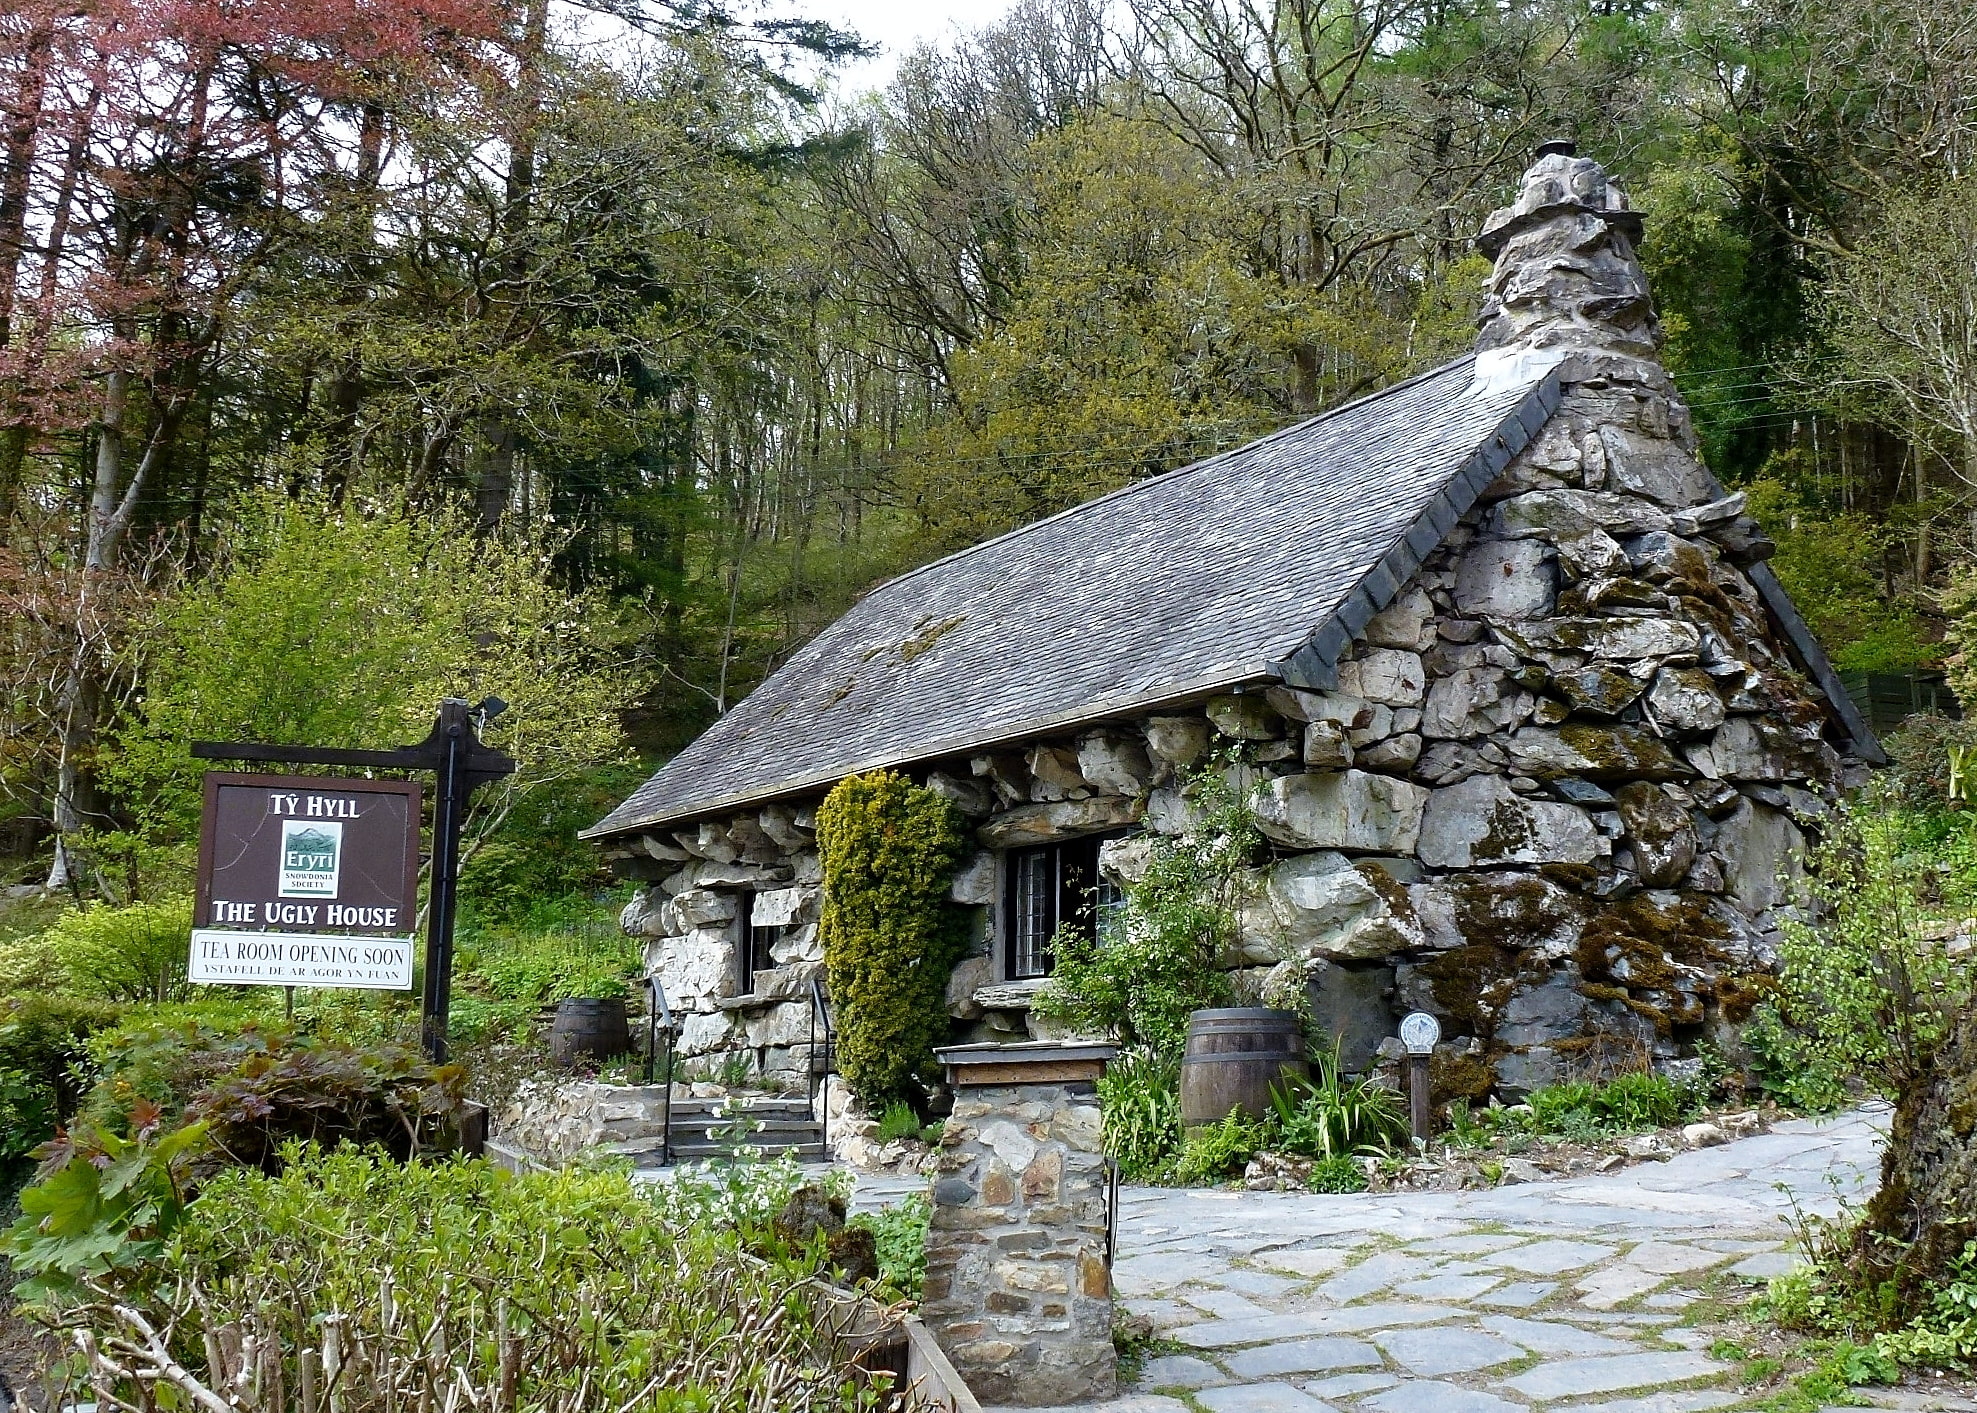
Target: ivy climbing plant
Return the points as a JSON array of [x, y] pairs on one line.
[[890, 935]]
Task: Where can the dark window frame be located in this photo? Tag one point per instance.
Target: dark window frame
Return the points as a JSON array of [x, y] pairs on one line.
[[1045, 887], [753, 945]]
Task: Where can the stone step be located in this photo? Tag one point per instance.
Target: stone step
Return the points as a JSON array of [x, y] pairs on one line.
[[697, 1152], [762, 1132], [761, 1107]]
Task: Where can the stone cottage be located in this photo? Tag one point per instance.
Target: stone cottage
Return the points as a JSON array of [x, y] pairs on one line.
[[1537, 732]]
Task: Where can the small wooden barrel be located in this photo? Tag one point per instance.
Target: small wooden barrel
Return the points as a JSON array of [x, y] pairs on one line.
[[1234, 1058], [589, 1028]]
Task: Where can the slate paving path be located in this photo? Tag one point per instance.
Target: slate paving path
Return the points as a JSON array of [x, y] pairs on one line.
[[1566, 1297]]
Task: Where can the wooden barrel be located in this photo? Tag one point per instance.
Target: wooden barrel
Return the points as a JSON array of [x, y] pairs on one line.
[[1234, 1057], [587, 1028]]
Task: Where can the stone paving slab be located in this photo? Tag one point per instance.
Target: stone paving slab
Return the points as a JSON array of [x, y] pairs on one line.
[[1564, 1297]]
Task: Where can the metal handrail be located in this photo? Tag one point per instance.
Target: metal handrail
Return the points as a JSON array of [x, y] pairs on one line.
[[820, 1011], [659, 1020]]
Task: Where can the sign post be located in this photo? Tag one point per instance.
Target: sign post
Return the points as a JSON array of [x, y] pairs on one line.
[[311, 853], [1419, 1032]]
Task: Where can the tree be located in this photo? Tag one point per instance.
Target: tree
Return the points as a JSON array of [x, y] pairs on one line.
[[345, 628]]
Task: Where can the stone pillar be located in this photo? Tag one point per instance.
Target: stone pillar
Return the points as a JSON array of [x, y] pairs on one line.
[[1018, 1287]]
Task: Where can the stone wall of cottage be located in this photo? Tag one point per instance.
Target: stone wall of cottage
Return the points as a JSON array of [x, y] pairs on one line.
[[1555, 798]]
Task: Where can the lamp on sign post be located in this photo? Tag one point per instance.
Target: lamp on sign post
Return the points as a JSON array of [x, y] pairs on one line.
[[1419, 1032]]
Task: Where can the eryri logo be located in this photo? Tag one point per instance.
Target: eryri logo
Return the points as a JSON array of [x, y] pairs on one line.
[[311, 858]]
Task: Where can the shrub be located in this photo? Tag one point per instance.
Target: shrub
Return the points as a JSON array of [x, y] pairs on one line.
[[1142, 980], [1339, 1173], [134, 953], [536, 967], [1210, 1153], [1139, 1096], [1645, 1100], [45, 1040], [889, 933], [104, 1205], [1863, 995], [899, 1236], [256, 1085], [899, 1121], [1328, 1118], [568, 1289]]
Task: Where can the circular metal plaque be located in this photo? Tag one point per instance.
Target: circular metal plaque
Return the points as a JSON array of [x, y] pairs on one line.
[[1419, 1032]]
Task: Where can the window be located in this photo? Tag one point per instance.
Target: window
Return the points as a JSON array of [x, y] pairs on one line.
[[757, 945], [1049, 888]]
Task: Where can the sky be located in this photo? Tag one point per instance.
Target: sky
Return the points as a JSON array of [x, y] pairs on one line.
[[898, 25]]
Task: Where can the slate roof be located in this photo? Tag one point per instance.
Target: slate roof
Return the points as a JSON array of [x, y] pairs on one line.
[[1261, 563]]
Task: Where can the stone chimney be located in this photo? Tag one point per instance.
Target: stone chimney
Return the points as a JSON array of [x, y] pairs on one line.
[[1566, 277], [1567, 293]]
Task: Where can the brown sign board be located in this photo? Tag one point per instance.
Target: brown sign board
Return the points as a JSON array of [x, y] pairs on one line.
[[306, 881]]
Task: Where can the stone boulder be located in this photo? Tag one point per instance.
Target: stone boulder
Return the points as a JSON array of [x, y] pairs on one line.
[[1114, 763], [1350, 1006], [1762, 853], [1348, 809], [1390, 676], [1659, 830], [1518, 910], [1560, 643], [1407, 622], [1559, 515], [1054, 774], [1323, 905], [1599, 691], [1176, 740], [785, 907], [1596, 752], [1745, 748], [1245, 718], [697, 966], [974, 881], [1506, 579], [1474, 701], [1065, 819], [1684, 701], [1482, 821]]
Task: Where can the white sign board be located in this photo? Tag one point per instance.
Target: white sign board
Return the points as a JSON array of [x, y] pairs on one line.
[[230, 958], [1419, 1032]]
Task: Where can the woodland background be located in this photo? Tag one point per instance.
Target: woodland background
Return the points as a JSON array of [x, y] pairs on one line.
[[594, 355]]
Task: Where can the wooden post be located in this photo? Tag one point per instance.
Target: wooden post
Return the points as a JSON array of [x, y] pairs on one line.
[[1420, 1115]]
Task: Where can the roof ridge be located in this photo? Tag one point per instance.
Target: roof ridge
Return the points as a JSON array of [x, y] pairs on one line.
[[1192, 467]]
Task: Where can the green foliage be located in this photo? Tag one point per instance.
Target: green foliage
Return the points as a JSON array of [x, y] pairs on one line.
[[1863, 996], [1341, 1172], [1328, 1118], [132, 953], [1139, 1097], [1829, 1296], [899, 1233], [899, 1121], [889, 933], [104, 1205], [45, 1040], [345, 627], [1832, 564], [535, 857], [253, 1084], [1208, 1154], [1143, 980], [574, 1279], [1584, 1112]]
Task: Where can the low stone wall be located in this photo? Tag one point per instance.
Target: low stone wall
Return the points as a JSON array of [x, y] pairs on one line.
[[555, 1121]]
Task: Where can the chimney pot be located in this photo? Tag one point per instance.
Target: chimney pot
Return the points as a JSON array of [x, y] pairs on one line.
[[1558, 147]]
